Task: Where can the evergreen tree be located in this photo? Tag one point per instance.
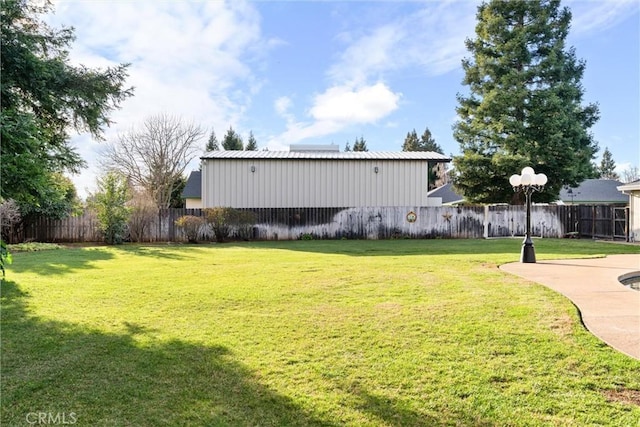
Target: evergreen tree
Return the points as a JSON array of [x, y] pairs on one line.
[[608, 166], [252, 144], [524, 106], [427, 143], [411, 142], [44, 97], [347, 147], [437, 170], [360, 145], [232, 141], [212, 143]]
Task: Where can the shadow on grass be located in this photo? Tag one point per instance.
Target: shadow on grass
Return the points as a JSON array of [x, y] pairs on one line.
[[59, 262], [391, 413], [480, 247], [113, 379], [69, 260], [165, 251]]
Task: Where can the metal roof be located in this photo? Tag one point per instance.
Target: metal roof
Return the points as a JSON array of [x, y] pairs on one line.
[[327, 155], [193, 189], [594, 191], [446, 193]]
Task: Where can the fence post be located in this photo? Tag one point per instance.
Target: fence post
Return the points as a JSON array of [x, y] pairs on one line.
[[485, 224]]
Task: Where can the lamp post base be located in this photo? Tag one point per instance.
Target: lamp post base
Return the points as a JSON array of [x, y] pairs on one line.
[[528, 254]]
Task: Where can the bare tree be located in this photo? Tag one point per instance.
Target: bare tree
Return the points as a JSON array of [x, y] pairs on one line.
[[155, 155], [630, 174]]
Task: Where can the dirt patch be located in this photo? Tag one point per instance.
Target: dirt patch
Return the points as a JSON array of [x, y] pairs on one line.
[[630, 397], [390, 306], [562, 325], [489, 265]]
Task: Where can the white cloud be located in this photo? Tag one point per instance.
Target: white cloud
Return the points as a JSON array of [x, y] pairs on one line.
[[343, 104], [335, 110], [368, 55], [282, 106], [431, 38], [598, 16]]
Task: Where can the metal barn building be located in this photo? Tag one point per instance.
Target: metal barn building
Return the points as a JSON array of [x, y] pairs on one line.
[[315, 178]]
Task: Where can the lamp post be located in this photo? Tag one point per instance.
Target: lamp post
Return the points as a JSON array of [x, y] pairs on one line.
[[527, 182]]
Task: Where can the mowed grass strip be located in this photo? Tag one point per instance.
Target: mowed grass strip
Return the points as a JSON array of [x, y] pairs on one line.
[[395, 333]]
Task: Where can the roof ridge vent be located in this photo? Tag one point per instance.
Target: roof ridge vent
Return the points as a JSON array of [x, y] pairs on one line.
[[333, 148]]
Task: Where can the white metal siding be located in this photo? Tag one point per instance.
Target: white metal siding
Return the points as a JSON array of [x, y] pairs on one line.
[[634, 215], [279, 183]]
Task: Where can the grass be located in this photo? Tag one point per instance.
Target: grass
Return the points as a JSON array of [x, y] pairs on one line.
[[327, 333]]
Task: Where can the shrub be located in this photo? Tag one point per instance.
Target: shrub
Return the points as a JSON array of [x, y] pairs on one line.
[[109, 203], [33, 247], [245, 220], [223, 220], [143, 214], [220, 220], [5, 256], [190, 226], [10, 217]]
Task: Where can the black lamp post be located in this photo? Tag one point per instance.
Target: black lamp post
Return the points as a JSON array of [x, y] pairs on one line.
[[527, 182]]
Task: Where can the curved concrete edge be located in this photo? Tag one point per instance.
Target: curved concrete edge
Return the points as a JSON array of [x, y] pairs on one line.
[[609, 310]]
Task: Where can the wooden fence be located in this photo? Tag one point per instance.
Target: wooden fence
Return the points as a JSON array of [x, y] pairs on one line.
[[366, 223]]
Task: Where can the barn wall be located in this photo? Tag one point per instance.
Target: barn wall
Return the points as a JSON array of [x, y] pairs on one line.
[[278, 183]]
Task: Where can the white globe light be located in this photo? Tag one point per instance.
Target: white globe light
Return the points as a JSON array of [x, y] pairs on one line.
[[514, 180], [541, 179], [528, 170], [527, 179]]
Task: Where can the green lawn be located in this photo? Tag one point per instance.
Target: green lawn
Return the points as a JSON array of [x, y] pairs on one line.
[[395, 333]]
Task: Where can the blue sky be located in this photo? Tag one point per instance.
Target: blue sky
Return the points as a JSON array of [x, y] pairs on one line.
[[329, 71]]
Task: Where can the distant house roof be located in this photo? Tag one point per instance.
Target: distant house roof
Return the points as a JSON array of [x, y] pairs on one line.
[[447, 194], [594, 191], [630, 186], [327, 155], [193, 188]]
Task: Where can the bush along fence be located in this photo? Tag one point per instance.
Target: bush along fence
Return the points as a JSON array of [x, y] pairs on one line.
[[352, 223]]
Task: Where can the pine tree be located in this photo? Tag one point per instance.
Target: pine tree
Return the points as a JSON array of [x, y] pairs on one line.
[[427, 143], [608, 166], [232, 141], [437, 170], [347, 147], [212, 143], [360, 145], [252, 144], [524, 106], [411, 142]]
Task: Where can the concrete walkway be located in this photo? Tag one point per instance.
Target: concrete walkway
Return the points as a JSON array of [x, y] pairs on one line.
[[610, 310]]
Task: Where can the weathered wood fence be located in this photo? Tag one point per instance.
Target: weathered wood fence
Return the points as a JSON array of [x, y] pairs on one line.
[[367, 223]]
